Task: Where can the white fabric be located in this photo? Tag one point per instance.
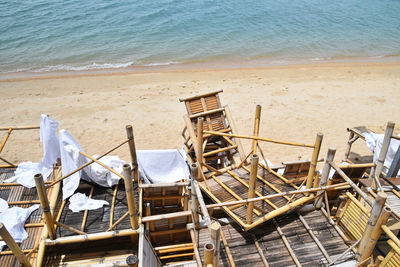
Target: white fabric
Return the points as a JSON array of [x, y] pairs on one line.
[[375, 142], [70, 161], [3, 205], [79, 202], [26, 170], [51, 146], [14, 220], [101, 175], [162, 166]]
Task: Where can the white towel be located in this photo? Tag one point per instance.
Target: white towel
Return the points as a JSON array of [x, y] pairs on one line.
[[79, 202]]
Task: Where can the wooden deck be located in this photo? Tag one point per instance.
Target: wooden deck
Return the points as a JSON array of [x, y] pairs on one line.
[[245, 253]]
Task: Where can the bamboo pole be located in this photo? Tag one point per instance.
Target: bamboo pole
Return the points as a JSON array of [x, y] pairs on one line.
[[196, 189], [194, 203], [313, 236], [19, 128], [256, 128], [215, 229], [260, 252], [69, 228], [18, 253], [349, 143], [44, 202], [351, 183], [132, 149], [91, 237], [368, 242], [259, 139], [280, 211], [195, 248], [314, 159], [200, 125], [85, 214], [130, 196], [252, 187], [324, 176], [382, 155], [8, 162], [286, 242], [312, 190], [113, 205], [208, 254], [233, 129], [3, 143], [227, 249], [85, 165]]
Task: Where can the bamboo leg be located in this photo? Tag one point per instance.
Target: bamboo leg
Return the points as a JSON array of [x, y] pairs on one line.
[[256, 128], [200, 140], [367, 242], [195, 202], [324, 177], [252, 185], [13, 246], [348, 148], [382, 155], [314, 159], [44, 202], [208, 254], [215, 229], [130, 196], [132, 149]]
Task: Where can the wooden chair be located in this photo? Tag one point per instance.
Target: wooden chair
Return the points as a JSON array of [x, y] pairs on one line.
[[218, 151]]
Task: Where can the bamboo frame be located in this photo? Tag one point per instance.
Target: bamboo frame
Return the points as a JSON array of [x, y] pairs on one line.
[[259, 250], [16, 250], [130, 196], [194, 200], [85, 214]]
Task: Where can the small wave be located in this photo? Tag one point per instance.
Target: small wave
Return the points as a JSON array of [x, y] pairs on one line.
[[93, 66]]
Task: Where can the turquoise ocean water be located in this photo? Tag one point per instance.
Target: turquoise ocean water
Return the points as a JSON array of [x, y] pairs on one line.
[[55, 35]]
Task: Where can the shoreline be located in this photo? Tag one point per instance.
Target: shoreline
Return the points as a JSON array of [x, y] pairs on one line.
[[199, 66]]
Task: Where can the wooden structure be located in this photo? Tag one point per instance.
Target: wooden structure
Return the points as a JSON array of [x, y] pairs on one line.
[[217, 151], [206, 127]]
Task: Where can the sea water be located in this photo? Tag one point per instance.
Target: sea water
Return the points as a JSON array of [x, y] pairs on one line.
[[53, 35]]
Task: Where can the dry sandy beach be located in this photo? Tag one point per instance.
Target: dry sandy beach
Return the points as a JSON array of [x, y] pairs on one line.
[[297, 102]]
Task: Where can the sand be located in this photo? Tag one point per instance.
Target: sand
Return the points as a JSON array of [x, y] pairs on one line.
[[297, 102]]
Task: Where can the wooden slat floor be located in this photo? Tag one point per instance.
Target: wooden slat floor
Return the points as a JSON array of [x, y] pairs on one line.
[[307, 252], [20, 193]]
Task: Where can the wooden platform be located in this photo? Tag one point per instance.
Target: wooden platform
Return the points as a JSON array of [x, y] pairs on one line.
[[245, 252]]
